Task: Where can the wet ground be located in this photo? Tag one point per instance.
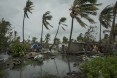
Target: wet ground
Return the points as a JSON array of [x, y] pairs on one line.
[[33, 69]]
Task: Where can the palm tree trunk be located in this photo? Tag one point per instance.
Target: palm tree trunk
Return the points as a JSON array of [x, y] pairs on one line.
[[100, 37], [23, 28], [111, 39], [100, 33], [55, 38], [69, 44], [42, 34], [56, 33], [113, 24]]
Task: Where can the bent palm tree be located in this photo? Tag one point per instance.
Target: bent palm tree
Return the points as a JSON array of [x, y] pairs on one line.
[[112, 34], [45, 22], [27, 9], [82, 8], [105, 18], [62, 24]]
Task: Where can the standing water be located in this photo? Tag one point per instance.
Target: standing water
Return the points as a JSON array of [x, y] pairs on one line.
[[57, 66]]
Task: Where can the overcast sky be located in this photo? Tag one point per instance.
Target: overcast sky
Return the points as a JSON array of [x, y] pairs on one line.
[[12, 10]]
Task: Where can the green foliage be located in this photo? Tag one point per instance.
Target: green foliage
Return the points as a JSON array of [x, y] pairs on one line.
[[18, 49], [83, 9], [28, 8], [1, 72], [46, 17], [65, 40], [100, 67], [4, 33], [106, 16]]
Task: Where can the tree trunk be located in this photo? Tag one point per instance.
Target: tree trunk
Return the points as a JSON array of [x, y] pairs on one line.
[[111, 39], [55, 38], [23, 28], [69, 44], [100, 37], [100, 32], [42, 34]]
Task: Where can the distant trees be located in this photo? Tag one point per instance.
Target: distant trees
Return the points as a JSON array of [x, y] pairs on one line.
[[34, 40], [5, 29], [46, 41], [80, 38], [88, 36], [65, 40]]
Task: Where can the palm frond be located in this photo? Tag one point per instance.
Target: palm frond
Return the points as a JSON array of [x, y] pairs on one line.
[[63, 19], [90, 5], [45, 25], [45, 18], [80, 22], [91, 12], [104, 24], [28, 8], [87, 17], [65, 25], [46, 13], [49, 17], [63, 28], [106, 16]]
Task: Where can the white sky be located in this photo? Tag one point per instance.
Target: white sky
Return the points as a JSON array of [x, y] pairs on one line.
[[12, 10]]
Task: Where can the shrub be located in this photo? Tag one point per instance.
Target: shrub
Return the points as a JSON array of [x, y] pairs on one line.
[[1, 72], [100, 67], [18, 49]]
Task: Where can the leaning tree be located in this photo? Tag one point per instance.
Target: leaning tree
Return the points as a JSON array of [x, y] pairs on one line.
[[46, 17], [27, 8], [82, 9]]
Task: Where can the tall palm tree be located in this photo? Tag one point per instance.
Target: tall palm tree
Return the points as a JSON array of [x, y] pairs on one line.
[[28, 8], [82, 8], [61, 24], [105, 18], [45, 18], [112, 34]]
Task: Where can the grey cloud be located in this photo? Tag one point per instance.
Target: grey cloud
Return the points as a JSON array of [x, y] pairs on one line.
[[12, 10]]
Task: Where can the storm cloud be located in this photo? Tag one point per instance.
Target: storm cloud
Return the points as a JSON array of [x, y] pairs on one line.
[[12, 10]]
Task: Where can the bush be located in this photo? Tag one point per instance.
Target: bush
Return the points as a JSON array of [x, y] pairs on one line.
[[100, 67], [1, 72], [18, 49]]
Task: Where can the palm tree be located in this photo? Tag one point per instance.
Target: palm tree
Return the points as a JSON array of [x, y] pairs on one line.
[[112, 34], [82, 8], [62, 24], [27, 9], [45, 18], [108, 16], [105, 18]]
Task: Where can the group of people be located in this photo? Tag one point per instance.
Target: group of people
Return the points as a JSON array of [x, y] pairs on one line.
[[37, 47]]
